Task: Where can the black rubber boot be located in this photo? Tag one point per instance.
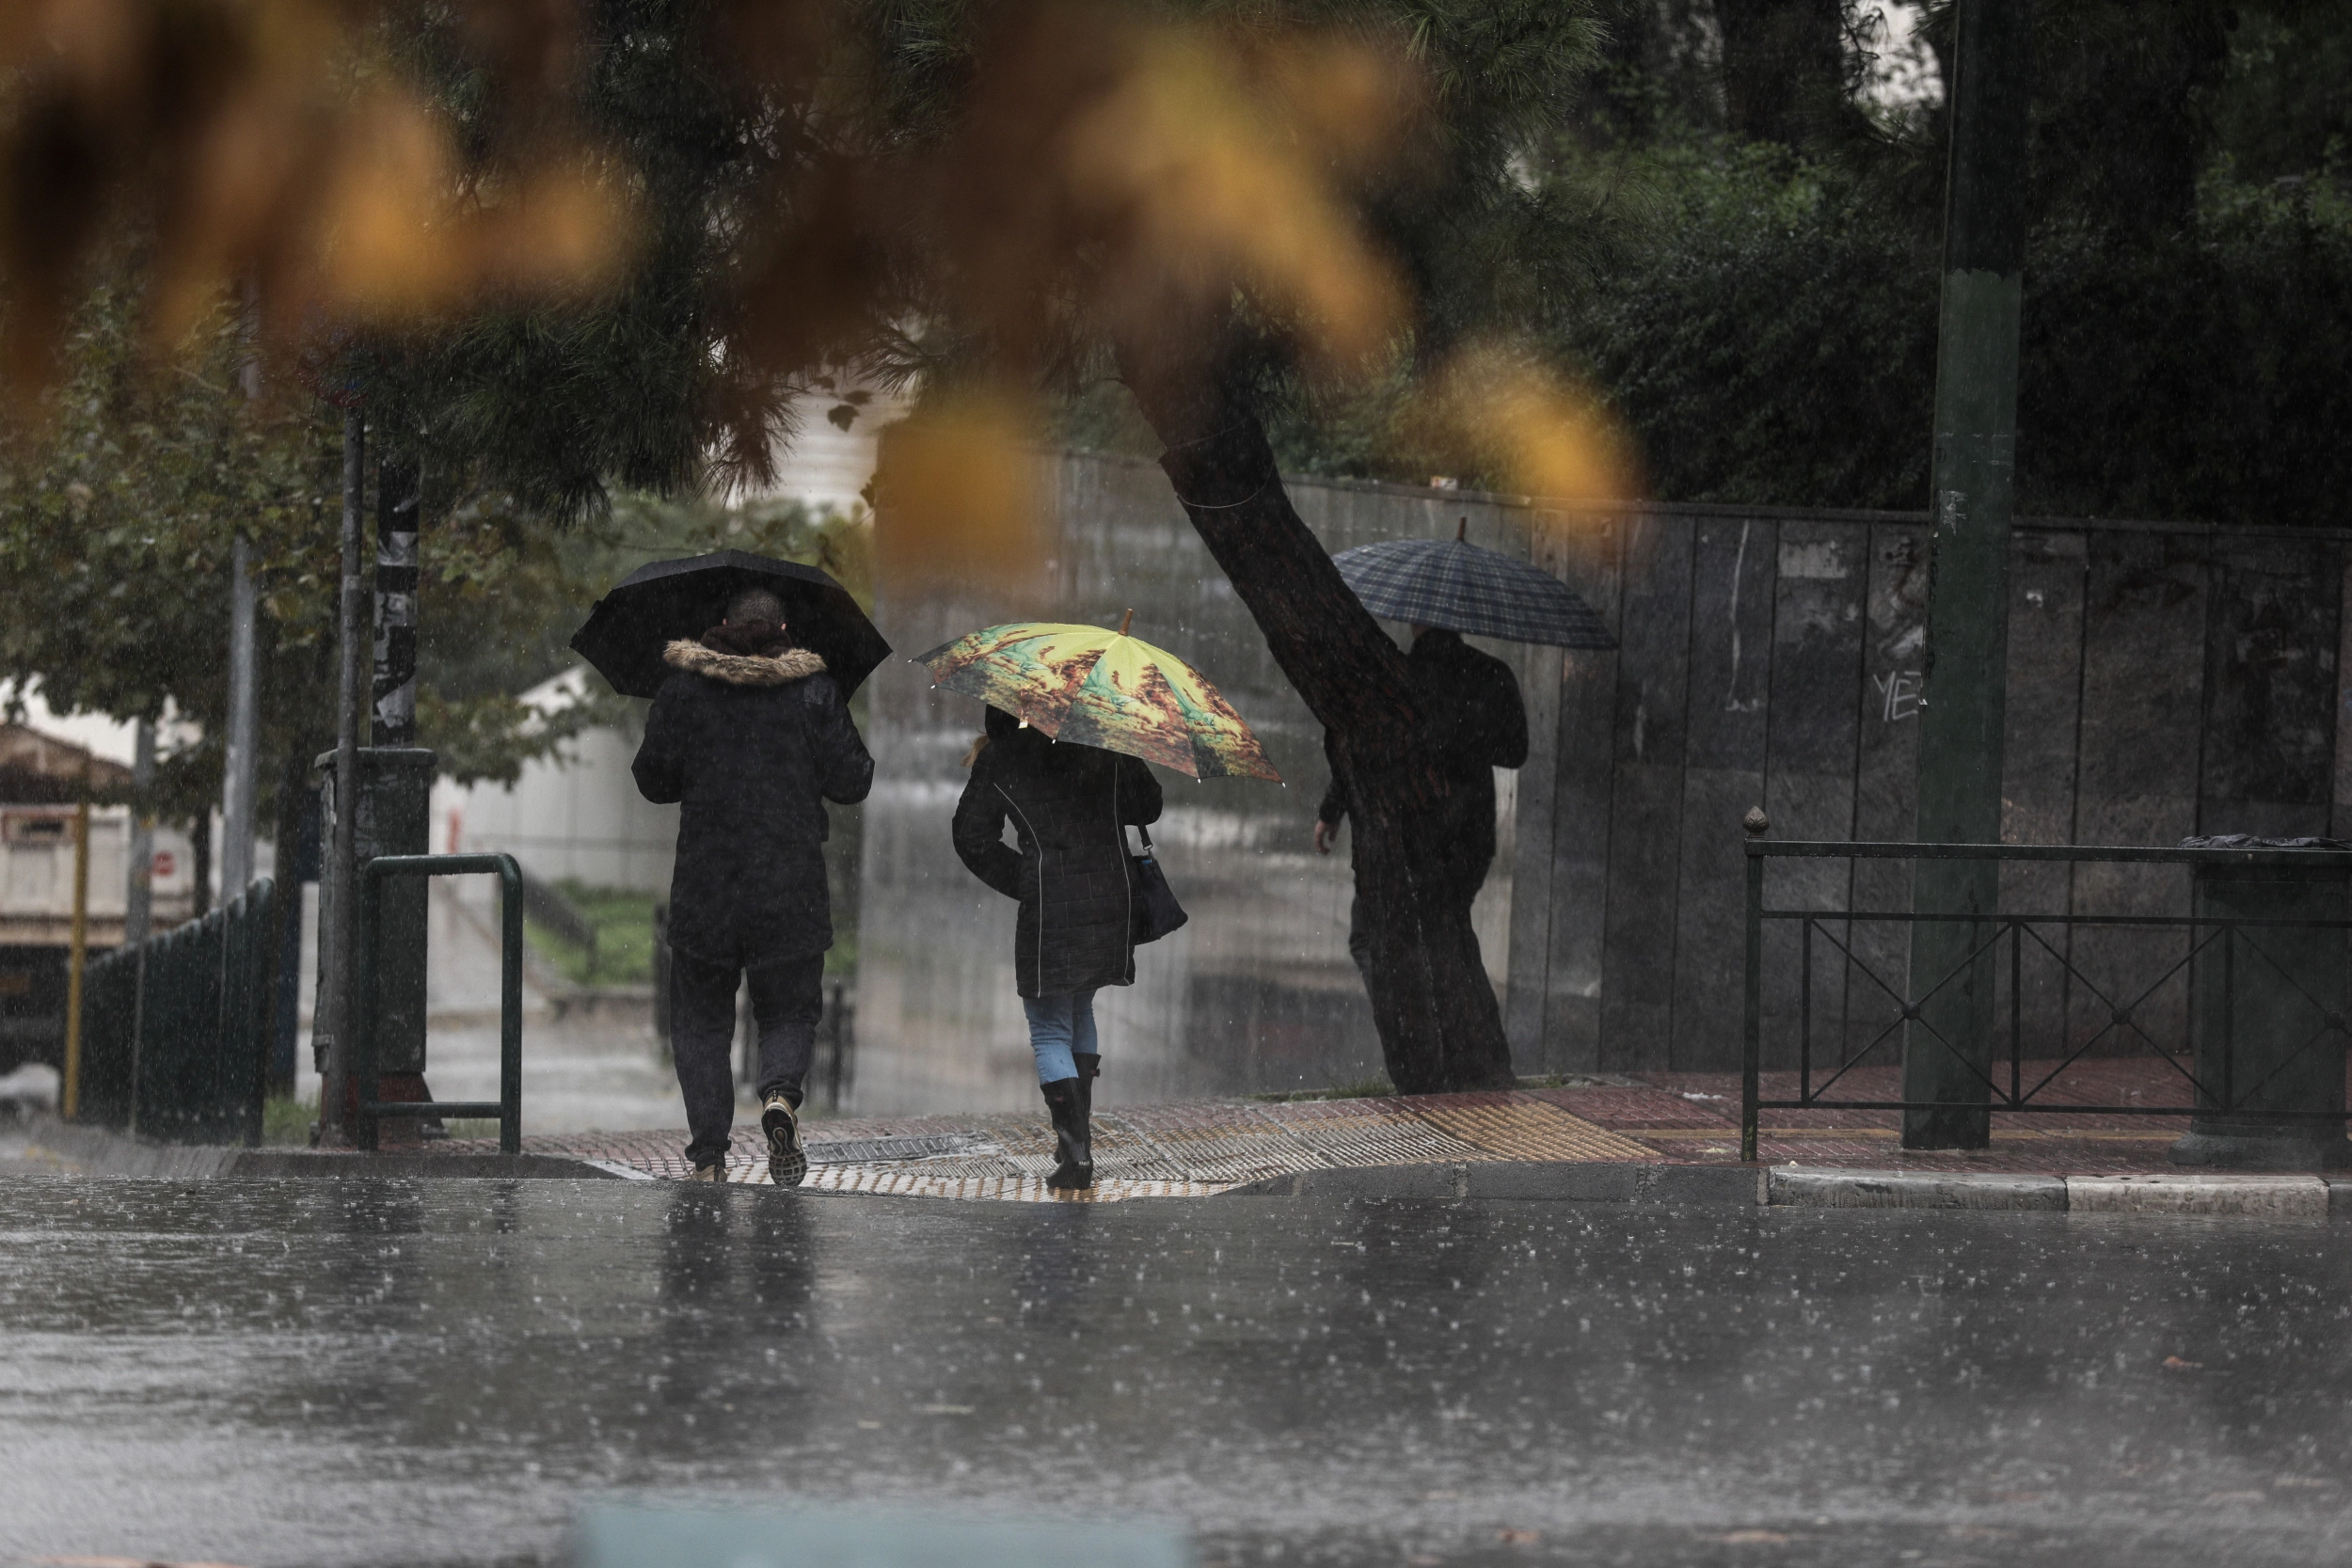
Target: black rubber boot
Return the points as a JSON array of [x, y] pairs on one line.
[[1075, 1167], [1089, 1068]]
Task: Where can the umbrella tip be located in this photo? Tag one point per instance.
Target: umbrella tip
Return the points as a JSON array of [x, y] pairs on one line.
[[1125, 619], [1461, 530]]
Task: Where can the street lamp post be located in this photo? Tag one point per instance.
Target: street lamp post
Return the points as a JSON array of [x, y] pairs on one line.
[[332, 1038], [1947, 1051]]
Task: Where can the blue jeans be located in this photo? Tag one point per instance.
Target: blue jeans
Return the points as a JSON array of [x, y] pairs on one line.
[[1059, 1026]]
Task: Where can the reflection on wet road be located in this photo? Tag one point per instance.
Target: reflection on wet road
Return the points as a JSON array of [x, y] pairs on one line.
[[391, 1373]]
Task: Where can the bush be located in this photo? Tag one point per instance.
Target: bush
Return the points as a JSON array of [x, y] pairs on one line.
[[1775, 344]]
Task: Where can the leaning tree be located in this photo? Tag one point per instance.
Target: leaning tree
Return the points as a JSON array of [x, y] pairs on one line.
[[569, 241]]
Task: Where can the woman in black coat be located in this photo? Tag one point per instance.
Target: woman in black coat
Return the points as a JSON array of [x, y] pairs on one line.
[[1069, 806]]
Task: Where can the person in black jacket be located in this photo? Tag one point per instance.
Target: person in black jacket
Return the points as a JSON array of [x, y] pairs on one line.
[[1472, 717], [1069, 806], [751, 735]]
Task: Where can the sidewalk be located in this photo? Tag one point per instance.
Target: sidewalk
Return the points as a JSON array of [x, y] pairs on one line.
[[1664, 1119]]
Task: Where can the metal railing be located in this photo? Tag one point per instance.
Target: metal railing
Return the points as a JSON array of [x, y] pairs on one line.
[[176, 1030], [508, 1107], [2009, 941]]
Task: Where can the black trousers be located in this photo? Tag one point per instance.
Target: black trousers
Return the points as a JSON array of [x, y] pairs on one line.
[[788, 994]]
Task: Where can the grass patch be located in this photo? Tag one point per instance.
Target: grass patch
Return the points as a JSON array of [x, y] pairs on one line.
[[623, 921], [1376, 1087], [623, 955], [841, 957], [286, 1122], [473, 1127]]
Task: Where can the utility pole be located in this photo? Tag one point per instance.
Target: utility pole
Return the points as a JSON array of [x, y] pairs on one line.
[[139, 889], [239, 770], [77, 955], [397, 800], [1947, 1051], [340, 883], [139, 892]]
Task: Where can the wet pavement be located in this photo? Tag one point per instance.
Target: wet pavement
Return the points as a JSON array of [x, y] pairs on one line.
[[379, 1372], [1200, 1147]]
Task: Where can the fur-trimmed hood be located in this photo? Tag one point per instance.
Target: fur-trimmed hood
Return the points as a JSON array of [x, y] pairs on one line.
[[793, 664]]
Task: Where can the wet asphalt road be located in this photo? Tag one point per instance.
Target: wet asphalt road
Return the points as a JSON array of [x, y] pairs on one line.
[[394, 1372]]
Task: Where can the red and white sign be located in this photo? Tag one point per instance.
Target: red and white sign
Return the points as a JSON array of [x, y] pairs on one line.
[[164, 863]]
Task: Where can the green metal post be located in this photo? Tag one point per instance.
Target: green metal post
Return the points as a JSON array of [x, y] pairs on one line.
[[1952, 1038], [367, 886], [510, 1005], [1752, 1047], [370, 943]]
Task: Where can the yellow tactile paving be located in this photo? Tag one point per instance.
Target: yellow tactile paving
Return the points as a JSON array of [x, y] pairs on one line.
[[1520, 1129], [1372, 1133]]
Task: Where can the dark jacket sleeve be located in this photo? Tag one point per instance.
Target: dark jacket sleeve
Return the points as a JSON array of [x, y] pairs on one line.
[[661, 764], [1507, 720], [844, 770], [1334, 807], [1474, 717], [1139, 798], [980, 833]]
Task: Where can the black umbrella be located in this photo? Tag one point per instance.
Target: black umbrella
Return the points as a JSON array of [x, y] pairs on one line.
[[1454, 584], [664, 600]]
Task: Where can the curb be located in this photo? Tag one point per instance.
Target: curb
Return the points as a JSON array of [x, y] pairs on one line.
[[1800, 1187], [1531, 1181], [2281, 1196], [2277, 1196], [99, 1151], [311, 1162]]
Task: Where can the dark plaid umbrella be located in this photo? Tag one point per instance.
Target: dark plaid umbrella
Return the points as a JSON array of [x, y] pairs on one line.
[[663, 600], [1454, 584]]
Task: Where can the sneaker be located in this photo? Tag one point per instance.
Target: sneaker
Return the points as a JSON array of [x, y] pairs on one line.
[[788, 1163], [708, 1173]]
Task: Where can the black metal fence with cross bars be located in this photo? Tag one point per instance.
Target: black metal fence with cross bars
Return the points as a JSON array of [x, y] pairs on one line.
[[2228, 966]]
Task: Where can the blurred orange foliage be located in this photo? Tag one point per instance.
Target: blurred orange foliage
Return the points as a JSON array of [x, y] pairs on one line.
[[1104, 175], [1495, 409], [269, 142]]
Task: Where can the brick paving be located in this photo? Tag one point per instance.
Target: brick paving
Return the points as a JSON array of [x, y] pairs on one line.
[[1206, 1147]]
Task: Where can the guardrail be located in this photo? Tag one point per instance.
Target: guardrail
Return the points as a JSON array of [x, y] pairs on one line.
[[176, 1032], [508, 1108], [2212, 950]]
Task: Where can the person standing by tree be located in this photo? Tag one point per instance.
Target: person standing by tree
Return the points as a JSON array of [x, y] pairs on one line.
[[1474, 722], [1070, 806], [751, 736]]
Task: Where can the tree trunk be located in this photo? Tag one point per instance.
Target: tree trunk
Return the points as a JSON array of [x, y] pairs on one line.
[[1440, 1027]]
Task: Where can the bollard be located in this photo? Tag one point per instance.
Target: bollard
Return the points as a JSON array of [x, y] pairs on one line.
[[2267, 996], [394, 819]]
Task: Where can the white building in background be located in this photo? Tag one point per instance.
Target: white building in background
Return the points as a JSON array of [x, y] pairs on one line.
[[829, 466], [578, 817]]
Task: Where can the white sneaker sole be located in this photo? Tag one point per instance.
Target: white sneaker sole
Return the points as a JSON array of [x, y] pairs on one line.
[[788, 1163]]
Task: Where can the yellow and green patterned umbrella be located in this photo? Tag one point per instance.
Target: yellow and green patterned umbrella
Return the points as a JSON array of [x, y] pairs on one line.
[[1092, 687]]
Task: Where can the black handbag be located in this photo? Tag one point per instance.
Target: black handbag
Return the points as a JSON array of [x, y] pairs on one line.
[[1156, 911]]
